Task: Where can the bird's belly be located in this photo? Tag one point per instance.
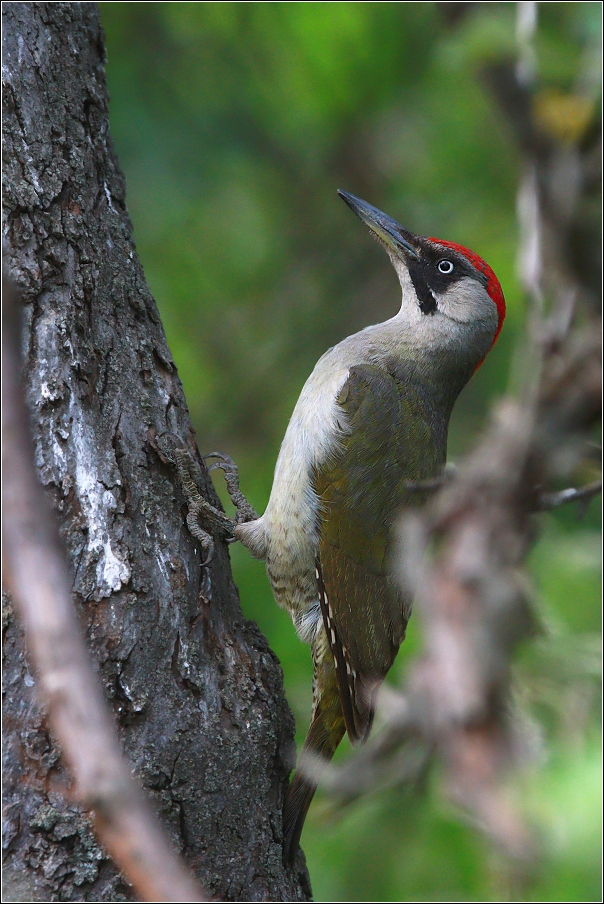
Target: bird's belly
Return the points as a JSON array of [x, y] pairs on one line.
[[291, 567], [291, 519]]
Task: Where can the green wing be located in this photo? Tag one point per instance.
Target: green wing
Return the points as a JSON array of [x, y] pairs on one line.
[[362, 489]]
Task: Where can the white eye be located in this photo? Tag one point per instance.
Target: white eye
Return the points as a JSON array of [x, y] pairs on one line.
[[446, 267]]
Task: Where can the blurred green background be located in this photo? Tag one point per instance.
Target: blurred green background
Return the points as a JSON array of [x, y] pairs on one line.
[[234, 124]]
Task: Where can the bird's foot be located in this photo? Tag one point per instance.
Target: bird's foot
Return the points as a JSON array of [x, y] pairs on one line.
[[225, 463], [201, 512]]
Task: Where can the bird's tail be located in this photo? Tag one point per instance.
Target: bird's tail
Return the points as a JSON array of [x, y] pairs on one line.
[[325, 733]]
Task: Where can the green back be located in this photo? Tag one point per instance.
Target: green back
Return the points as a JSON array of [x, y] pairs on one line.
[[395, 437]]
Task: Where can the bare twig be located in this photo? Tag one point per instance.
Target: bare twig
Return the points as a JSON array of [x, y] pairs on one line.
[[548, 501], [419, 486], [36, 574]]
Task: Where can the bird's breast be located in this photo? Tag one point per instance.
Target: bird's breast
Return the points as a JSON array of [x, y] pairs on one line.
[[290, 522]]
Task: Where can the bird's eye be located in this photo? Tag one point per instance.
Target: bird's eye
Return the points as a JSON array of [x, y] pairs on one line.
[[446, 267]]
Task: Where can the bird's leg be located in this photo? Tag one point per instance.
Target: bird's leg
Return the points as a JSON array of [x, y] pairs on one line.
[[225, 463], [200, 510]]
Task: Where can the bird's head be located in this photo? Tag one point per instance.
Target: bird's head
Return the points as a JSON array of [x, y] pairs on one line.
[[450, 295]]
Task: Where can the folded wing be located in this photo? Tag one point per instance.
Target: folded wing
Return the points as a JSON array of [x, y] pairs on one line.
[[361, 490]]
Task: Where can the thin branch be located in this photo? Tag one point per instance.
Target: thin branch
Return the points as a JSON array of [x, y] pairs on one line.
[[421, 486], [548, 501], [36, 575], [418, 486]]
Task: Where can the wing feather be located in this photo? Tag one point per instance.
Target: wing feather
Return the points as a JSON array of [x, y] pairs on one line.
[[361, 490]]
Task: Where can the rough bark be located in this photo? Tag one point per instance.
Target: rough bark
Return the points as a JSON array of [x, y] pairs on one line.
[[195, 688]]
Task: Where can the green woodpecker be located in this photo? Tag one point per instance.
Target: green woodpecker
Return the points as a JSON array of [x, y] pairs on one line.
[[371, 418]]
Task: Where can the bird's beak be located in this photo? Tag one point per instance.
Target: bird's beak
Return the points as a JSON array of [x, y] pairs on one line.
[[385, 228]]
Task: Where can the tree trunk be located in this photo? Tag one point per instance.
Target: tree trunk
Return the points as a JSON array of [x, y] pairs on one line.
[[196, 691]]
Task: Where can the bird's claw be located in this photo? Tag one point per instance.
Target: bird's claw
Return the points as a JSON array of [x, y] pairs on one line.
[[225, 463], [171, 449], [223, 459]]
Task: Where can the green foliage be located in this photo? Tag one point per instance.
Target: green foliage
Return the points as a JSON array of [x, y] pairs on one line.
[[235, 123]]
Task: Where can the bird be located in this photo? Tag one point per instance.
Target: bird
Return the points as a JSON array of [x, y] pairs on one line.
[[371, 419]]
